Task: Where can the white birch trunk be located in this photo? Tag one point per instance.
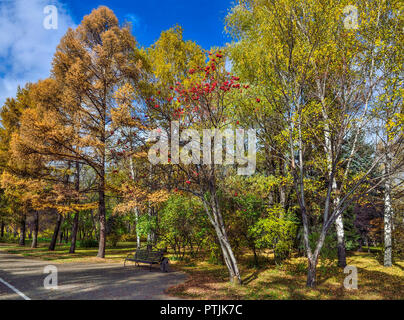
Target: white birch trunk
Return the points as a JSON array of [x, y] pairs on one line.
[[132, 172], [388, 215]]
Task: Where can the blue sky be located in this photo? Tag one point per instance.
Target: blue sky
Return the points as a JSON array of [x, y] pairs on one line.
[[202, 20], [26, 47]]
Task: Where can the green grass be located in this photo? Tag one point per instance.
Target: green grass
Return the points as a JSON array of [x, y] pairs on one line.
[[287, 281], [62, 255]]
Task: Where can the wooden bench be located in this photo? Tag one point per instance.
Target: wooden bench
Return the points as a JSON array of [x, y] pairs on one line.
[[148, 257]]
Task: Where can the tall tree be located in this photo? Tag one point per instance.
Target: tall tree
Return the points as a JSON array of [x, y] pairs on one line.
[[89, 64]]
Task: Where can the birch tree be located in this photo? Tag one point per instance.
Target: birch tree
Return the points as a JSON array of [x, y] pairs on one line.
[[321, 80]]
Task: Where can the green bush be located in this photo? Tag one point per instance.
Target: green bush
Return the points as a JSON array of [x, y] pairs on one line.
[[329, 251], [113, 239], [129, 238], [276, 231], [115, 230], [88, 243], [9, 239], [182, 226]]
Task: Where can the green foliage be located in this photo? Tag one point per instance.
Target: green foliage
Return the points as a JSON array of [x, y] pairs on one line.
[[146, 224], [115, 229], [9, 238], [129, 238], [276, 231], [183, 225], [88, 243], [352, 236], [245, 212], [329, 250]]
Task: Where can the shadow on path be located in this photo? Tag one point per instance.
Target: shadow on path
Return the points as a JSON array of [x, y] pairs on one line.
[[92, 281]]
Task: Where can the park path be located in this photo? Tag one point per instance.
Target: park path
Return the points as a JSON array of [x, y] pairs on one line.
[[83, 281]]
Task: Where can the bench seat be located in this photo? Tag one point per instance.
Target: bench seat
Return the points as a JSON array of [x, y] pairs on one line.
[[148, 257]]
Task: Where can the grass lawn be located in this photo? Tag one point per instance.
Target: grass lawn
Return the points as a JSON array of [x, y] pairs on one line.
[[62, 255], [286, 281]]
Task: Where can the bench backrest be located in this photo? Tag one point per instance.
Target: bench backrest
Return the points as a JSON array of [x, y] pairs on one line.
[[148, 255]]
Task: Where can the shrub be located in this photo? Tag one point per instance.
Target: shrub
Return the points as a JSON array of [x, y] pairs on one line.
[[115, 229], [9, 239], [182, 225], [88, 243], [113, 239], [276, 231], [129, 238]]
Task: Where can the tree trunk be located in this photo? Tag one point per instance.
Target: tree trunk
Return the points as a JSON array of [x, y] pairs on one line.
[[36, 229], [339, 223], [256, 262], [94, 227], [132, 172], [341, 241], [311, 273], [22, 231], [360, 249], [137, 228], [75, 226], [151, 236], [74, 232], [367, 243], [2, 229], [228, 256], [388, 215], [52, 245], [102, 217], [217, 221]]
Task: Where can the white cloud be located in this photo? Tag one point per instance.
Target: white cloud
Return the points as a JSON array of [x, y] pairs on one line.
[[26, 47]]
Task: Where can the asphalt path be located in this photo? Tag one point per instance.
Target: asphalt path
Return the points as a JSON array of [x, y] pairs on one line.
[[22, 278]]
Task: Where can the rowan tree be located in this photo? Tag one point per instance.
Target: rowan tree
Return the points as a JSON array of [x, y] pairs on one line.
[[201, 101]]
